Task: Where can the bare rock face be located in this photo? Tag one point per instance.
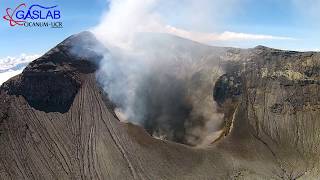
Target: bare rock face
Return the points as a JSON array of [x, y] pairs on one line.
[[277, 94], [51, 82], [282, 94], [56, 123]]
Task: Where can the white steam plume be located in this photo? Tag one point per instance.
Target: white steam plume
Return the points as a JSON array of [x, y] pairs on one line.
[[162, 82], [124, 19]]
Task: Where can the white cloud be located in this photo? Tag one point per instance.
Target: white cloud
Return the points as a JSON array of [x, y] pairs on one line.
[[225, 36], [127, 17], [12, 66], [9, 62], [7, 75]]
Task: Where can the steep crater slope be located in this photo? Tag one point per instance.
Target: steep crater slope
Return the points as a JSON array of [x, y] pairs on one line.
[[282, 98], [278, 94], [51, 82]]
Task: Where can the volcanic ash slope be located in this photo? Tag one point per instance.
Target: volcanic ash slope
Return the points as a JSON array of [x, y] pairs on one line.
[[56, 123]]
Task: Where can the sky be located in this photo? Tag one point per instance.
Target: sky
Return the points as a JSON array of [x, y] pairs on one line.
[[284, 24], [77, 16]]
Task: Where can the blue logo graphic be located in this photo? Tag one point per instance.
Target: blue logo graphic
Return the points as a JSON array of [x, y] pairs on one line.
[[34, 16]]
